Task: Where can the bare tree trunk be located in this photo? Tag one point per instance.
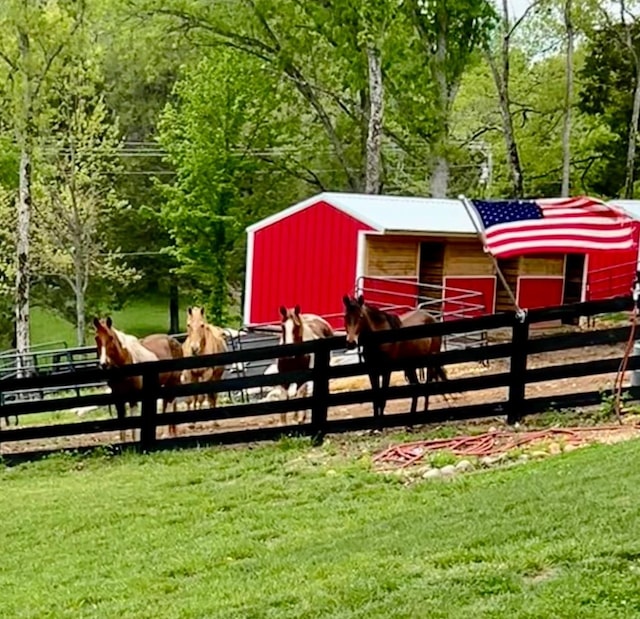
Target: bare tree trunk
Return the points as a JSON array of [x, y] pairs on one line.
[[79, 288], [633, 135], [439, 184], [376, 110], [24, 209], [566, 131], [502, 86]]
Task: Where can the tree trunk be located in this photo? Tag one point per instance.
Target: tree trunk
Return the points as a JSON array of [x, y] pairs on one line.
[[566, 131], [376, 110], [440, 178], [79, 288], [502, 86], [633, 134], [174, 309], [23, 135], [22, 250], [440, 174]]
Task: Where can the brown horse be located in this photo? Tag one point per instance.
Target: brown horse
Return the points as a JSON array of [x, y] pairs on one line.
[[116, 349], [361, 319], [297, 328], [203, 338]]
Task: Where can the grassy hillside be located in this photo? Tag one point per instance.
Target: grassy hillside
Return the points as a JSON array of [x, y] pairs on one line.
[[288, 531], [139, 317]]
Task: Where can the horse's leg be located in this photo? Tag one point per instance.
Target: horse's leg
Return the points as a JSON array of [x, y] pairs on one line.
[[374, 377], [429, 379], [412, 377], [122, 413], [386, 379]]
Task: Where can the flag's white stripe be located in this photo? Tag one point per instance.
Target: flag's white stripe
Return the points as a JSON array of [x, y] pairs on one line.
[[589, 233], [569, 222], [583, 212], [559, 243]]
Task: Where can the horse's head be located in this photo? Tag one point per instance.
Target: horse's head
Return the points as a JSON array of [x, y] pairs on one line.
[[110, 353], [354, 318], [291, 324], [196, 330]]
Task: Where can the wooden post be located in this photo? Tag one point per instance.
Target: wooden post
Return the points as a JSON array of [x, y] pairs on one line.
[[518, 369], [149, 409], [320, 408]]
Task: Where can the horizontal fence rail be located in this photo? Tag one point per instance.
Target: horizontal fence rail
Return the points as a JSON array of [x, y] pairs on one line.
[[517, 351]]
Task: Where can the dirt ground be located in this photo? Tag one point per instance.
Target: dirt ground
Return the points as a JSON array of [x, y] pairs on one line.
[[548, 388]]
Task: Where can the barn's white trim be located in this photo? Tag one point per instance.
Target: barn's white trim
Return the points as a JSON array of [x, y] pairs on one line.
[[248, 279], [362, 255]]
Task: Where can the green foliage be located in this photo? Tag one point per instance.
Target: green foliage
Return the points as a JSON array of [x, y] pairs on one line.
[[210, 133]]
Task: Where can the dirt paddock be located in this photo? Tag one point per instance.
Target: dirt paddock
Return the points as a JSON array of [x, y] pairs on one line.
[[548, 388]]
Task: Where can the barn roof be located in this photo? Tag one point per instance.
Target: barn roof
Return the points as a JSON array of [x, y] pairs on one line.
[[389, 213], [631, 206]]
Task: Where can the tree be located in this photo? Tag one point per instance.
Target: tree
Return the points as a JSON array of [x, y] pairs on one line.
[[77, 201], [450, 33], [39, 35], [219, 118]]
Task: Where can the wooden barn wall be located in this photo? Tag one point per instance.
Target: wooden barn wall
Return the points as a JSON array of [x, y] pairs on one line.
[[466, 257], [547, 264], [392, 256]]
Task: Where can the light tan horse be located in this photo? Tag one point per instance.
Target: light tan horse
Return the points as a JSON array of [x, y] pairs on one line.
[[116, 349], [297, 328], [203, 338]]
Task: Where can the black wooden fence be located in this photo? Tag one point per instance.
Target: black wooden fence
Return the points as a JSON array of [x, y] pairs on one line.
[[515, 406]]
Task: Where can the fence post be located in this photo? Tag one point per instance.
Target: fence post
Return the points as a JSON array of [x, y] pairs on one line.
[[518, 368], [320, 407], [149, 409]]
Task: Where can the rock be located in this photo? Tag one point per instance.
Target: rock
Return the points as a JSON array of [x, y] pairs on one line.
[[539, 454], [448, 470], [523, 458], [431, 474], [568, 448], [555, 449], [464, 465]]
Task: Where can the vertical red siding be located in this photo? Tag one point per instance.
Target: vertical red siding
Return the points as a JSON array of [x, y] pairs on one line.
[[308, 258], [540, 291], [611, 273]]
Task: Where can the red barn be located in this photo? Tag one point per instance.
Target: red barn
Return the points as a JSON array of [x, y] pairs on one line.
[[402, 251]]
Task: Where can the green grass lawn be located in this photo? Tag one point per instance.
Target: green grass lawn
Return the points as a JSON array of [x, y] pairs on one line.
[[289, 531], [139, 317]]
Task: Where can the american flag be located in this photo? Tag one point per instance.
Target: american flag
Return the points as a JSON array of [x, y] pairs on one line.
[[556, 225]]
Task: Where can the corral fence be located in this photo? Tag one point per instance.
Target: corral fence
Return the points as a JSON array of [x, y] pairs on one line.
[[324, 375]]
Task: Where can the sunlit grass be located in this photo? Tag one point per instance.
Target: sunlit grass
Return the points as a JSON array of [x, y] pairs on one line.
[[287, 530]]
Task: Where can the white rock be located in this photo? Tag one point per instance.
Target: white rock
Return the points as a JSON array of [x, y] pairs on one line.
[[464, 465], [448, 470], [431, 474], [523, 458], [539, 454], [570, 447], [555, 449]]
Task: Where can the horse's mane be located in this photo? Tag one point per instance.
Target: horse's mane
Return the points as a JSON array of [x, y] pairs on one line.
[[379, 317], [218, 338], [138, 352]]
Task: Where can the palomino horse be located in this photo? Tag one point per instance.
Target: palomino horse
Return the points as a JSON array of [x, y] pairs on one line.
[[298, 328], [203, 338], [116, 349], [361, 319]]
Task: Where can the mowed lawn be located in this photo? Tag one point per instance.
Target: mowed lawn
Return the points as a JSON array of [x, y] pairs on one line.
[[287, 530]]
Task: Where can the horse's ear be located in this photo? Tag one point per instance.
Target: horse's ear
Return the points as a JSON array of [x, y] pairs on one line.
[[283, 311], [109, 322], [297, 310], [360, 300], [346, 300], [96, 322], [189, 310]]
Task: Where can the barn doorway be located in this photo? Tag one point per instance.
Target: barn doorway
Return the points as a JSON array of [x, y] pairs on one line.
[[573, 276], [510, 268], [430, 271]]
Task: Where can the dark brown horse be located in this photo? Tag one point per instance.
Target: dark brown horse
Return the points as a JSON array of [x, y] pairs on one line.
[[297, 328], [116, 349], [360, 320]]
